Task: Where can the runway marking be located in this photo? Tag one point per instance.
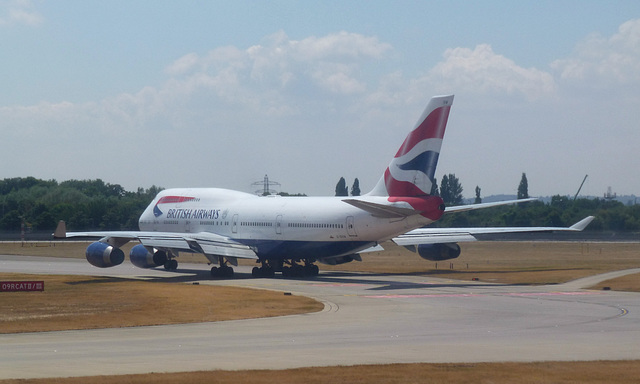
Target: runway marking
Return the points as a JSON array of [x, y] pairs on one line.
[[446, 295], [339, 285]]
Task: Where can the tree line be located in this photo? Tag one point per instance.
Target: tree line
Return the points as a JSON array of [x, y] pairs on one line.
[[83, 204], [96, 205], [561, 211]]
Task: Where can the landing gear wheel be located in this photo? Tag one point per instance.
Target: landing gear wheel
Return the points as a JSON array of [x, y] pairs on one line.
[[311, 270], [171, 265], [160, 258], [223, 271], [297, 270], [308, 269], [264, 271]]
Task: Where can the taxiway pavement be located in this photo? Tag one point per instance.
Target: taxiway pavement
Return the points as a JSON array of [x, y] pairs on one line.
[[368, 319]]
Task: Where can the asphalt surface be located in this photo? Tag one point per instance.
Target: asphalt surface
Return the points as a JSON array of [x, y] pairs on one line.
[[367, 319]]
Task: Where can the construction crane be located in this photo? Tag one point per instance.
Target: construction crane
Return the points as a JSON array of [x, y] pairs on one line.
[[583, 180]]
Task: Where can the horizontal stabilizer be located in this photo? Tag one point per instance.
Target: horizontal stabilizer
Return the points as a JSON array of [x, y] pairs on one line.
[[381, 210]]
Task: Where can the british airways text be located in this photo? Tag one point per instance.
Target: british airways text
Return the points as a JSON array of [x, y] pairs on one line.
[[210, 214]]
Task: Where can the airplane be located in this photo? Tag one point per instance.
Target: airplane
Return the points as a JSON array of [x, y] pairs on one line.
[[290, 234]]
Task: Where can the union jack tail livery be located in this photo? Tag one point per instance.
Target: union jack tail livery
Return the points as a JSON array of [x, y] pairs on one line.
[[412, 170]]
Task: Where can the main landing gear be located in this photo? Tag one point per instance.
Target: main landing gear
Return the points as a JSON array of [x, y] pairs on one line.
[[166, 259], [222, 271], [297, 270], [171, 264], [265, 271]]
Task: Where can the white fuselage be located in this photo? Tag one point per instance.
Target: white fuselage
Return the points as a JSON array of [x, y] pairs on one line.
[[276, 226]]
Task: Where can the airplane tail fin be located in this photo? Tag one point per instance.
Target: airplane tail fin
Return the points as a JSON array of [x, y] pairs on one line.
[[412, 170]]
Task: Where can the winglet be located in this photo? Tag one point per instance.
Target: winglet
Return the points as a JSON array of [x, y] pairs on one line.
[[582, 224], [61, 230]]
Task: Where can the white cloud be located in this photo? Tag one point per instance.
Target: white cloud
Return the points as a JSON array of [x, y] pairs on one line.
[[339, 46], [330, 63], [602, 60], [483, 71], [183, 64], [337, 78], [271, 79], [289, 105], [19, 12]]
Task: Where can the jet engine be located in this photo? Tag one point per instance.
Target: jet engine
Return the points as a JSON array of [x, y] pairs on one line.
[[439, 252], [103, 255], [142, 258]]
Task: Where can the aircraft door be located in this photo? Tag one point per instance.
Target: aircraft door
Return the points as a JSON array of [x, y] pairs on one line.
[[279, 225], [351, 228], [234, 224]]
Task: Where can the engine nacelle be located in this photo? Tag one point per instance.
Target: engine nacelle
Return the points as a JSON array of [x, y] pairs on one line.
[[142, 258], [103, 255], [439, 252], [340, 259]]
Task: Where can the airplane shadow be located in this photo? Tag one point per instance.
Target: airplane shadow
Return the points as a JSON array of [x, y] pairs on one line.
[[384, 281], [378, 281]]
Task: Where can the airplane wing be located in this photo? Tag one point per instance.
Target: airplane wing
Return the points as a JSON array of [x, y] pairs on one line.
[[456, 235], [203, 242]]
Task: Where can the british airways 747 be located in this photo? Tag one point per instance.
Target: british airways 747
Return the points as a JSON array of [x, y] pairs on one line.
[[290, 234]]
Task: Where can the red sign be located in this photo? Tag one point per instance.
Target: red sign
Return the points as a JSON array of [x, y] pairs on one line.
[[21, 286]]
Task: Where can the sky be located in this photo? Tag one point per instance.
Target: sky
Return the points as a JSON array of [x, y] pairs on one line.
[[218, 94]]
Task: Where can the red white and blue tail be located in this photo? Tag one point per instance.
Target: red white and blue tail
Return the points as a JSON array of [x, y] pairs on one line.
[[412, 170]]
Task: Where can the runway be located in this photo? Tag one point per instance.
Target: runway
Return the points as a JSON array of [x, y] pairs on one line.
[[368, 319]]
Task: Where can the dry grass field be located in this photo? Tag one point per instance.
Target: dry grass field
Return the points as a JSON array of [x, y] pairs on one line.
[[81, 302], [507, 262], [619, 372], [500, 262]]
